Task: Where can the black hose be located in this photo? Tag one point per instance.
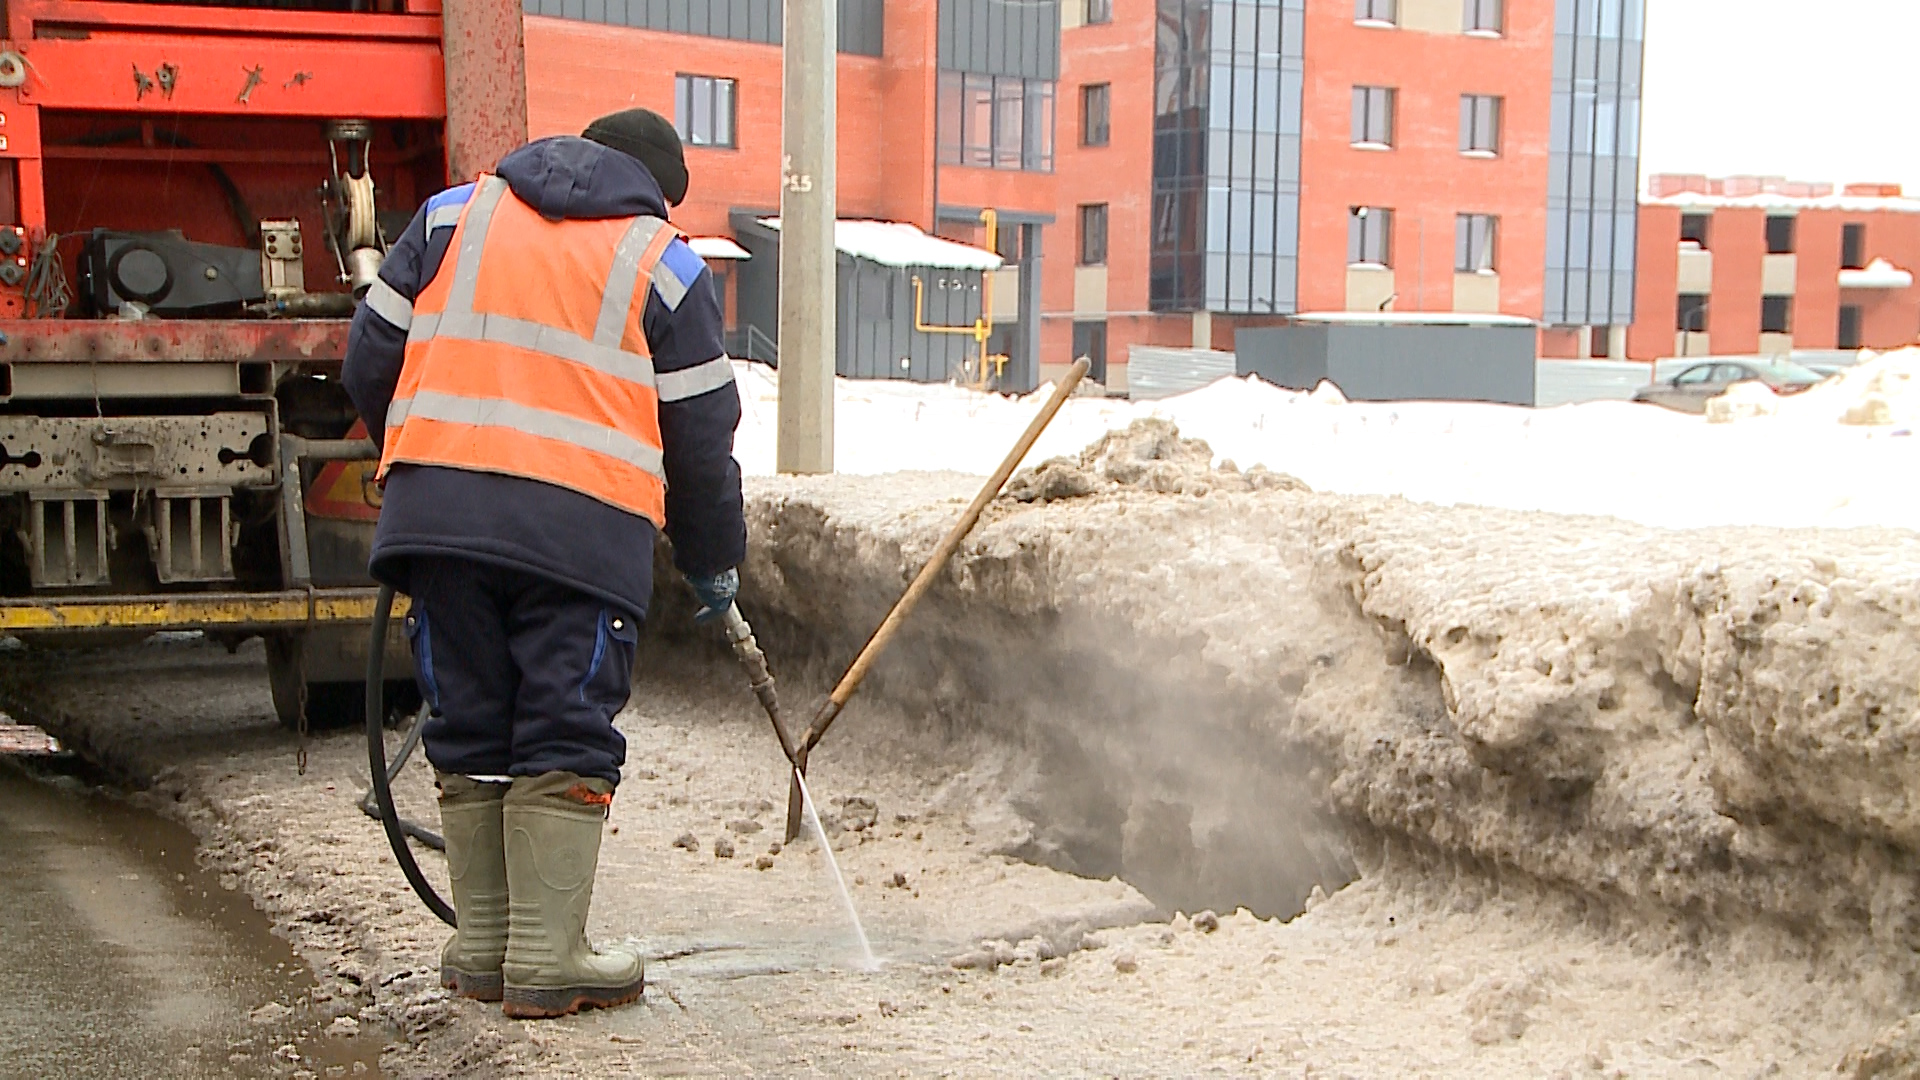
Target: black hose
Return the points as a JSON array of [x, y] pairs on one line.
[[370, 806], [377, 759], [236, 201]]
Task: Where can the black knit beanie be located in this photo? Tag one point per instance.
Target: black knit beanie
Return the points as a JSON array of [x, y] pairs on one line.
[[648, 137]]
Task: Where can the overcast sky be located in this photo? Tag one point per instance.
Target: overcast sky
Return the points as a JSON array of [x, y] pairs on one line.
[[1810, 89]]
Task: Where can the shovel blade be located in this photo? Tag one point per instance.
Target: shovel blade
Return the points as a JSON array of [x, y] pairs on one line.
[[795, 806]]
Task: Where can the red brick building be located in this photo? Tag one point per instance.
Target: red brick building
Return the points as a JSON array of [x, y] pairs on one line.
[[1765, 266], [1166, 172]]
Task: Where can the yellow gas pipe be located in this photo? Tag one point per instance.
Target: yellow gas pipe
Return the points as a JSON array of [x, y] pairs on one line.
[[982, 327]]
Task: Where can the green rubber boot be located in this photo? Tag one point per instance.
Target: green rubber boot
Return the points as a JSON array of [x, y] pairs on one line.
[[477, 869], [552, 827]]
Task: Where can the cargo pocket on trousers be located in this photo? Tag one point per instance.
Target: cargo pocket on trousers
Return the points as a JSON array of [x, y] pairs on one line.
[[614, 642], [420, 639]]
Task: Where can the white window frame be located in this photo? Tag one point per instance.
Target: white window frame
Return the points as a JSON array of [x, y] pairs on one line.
[[1476, 244], [1481, 117], [1484, 18], [1376, 12], [1370, 236], [1373, 116], [722, 110]]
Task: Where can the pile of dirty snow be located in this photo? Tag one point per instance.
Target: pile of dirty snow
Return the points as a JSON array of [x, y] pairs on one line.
[[1149, 455], [1743, 401], [1883, 391]]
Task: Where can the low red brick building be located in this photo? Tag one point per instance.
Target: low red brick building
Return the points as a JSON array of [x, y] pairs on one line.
[[1762, 265]]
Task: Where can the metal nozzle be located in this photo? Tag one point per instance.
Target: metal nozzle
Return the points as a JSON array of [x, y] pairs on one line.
[[747, 651]]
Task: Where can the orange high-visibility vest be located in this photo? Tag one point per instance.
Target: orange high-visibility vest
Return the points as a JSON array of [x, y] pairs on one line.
[[526, 355]]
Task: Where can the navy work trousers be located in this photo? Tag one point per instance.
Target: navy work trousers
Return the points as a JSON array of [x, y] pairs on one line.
[[522, 676]]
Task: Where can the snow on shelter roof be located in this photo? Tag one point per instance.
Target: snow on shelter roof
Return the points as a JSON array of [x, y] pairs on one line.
[[1411, 318], [1879, 274], [716, 247], [894, 243]]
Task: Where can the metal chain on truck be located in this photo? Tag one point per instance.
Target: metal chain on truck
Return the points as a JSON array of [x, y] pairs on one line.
[[300, 755]]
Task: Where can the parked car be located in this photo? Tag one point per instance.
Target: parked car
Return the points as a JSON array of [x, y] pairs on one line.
[[1689, 390], [1826, 368]]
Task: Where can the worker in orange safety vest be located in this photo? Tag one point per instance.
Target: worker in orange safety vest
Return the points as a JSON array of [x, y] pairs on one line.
[[541, 363]]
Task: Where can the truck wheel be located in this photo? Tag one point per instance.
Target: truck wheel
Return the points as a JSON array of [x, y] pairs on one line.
[[330, 705]]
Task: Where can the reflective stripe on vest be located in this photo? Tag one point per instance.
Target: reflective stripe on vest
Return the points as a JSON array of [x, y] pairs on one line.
[[558, 387], [383, 300]]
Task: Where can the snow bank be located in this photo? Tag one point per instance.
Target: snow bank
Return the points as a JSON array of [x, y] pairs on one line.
[[1232, 694], [1617, 459], [1743, 401], [1883, 391]]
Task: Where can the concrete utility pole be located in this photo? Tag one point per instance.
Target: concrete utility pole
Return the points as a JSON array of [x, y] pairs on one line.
[[807, 210]]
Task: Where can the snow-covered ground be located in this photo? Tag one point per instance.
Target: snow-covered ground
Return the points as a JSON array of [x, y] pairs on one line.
[[1801, 465]]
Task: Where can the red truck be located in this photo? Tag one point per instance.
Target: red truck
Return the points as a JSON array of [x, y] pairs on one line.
[[192, 196]]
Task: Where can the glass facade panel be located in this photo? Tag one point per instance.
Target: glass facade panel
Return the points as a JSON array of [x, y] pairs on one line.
[[1593, 171], [976, 138], [1227, 103], [952, 112], [1037, 155], [995, 122]]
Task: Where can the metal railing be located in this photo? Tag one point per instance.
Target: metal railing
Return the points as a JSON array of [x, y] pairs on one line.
[[761, 347]]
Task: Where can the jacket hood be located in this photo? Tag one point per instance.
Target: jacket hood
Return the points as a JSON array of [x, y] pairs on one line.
[[569, 177]]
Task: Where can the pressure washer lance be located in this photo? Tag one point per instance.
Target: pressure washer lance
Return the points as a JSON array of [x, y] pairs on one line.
[[747, 651], [922, 582]]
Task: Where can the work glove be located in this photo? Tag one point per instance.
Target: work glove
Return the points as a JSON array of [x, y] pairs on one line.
[[715, 593]]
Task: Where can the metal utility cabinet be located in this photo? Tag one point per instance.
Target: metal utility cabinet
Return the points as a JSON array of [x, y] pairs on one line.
[[1391, 357]]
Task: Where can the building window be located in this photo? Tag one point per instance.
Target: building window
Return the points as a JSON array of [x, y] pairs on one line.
[[703, 110], [1093, 235], [1377, 11], [1475, 238], [1370, 236], [1485, 17], [1849, 327], [1090, 341], [1096, 106], [1853, 246], [1693, 313], [1694, 229], [1373, 116], [996, 122], [1780, 234], [1776, 314], [1099, 11], [1599, 342], [1009, 122], [1009, 242], [1479, 124]]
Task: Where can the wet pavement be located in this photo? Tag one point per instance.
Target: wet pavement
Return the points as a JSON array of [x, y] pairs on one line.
[[123, 958]]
